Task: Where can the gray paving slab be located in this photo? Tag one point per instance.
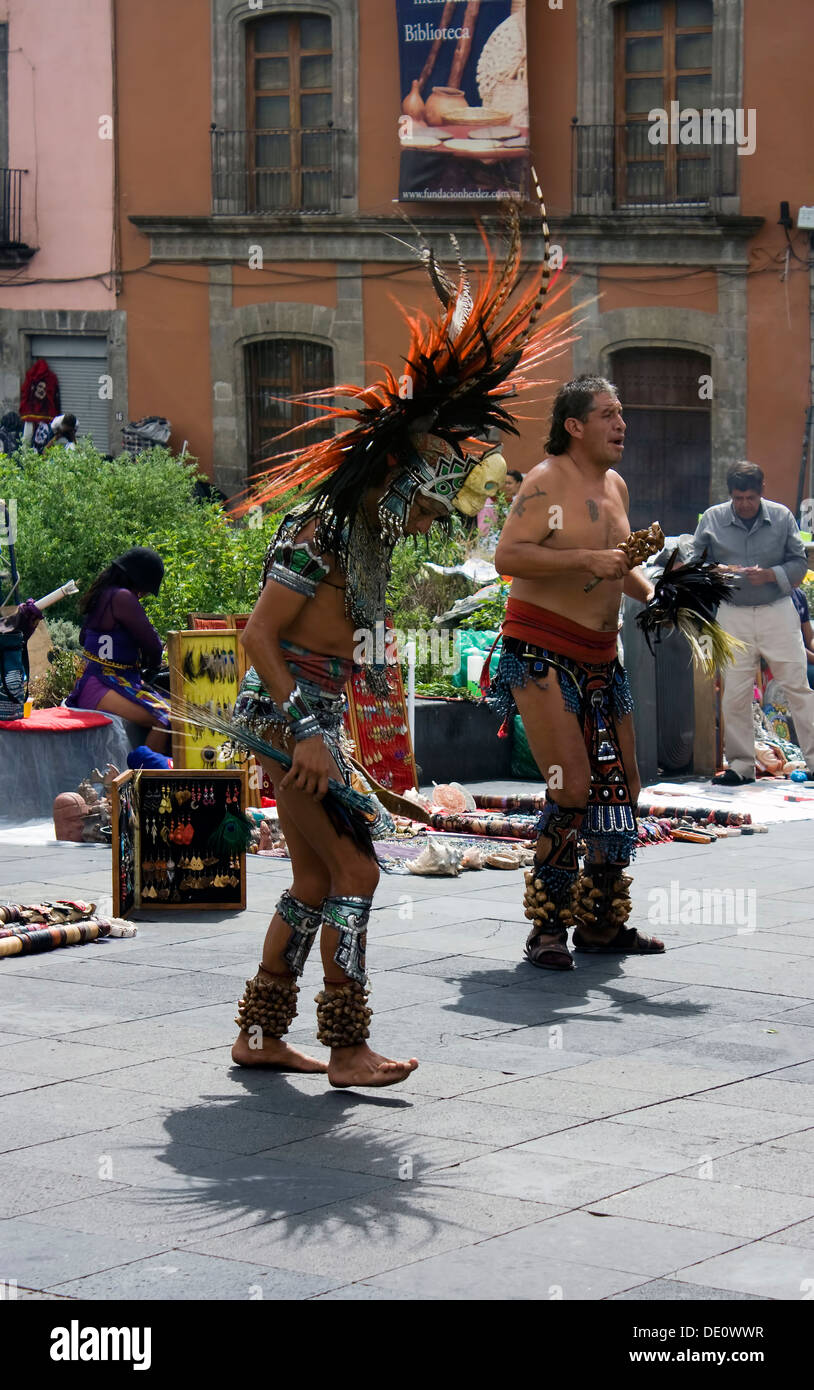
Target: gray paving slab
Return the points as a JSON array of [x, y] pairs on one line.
[[763, 1269], [707, 1205], [500, 1270], [33, 1256], [230, 1197], [671, 1291], [545, 1177], [704, 1115], [652, 1074], [61, 1109], [800, 1072], [12, 1082], [685, 1079], [497, 1126], [27, 1189], [768, 1166], [586, 1100], [632, 1146], [181, 1275], [381, 1230], [62, 1059], [770, 1093], [383, 1153]]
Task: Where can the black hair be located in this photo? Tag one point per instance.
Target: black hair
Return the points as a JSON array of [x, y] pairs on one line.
[[111, 578], [574, 401], [516, 474], [745, 476]]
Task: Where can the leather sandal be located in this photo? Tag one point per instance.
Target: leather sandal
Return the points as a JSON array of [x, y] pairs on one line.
[[627, 941], [552, 956]]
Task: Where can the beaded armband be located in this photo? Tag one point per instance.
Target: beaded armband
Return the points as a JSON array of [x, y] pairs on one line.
[[295, 565], [302, 721]]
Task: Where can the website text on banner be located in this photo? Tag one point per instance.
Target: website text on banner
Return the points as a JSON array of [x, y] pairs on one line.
[[464, 124]]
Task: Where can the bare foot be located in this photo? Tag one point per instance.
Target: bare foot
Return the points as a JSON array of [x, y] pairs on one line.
[[274, 1053], [359, 1066]]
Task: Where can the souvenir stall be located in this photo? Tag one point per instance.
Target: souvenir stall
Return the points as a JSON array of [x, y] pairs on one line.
[[179, 840]]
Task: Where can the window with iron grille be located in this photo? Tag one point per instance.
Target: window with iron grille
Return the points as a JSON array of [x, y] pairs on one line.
[[289, 95], [663, 54], [668, 450], [279, 370]]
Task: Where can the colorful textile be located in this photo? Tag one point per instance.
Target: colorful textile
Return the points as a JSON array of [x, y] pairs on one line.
[[531, 623], [58, 720], [532, 805], [30, 940]]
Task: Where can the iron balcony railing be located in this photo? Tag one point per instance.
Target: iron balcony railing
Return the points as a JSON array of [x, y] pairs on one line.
[[275, 171], [619, 168], [11, 188]]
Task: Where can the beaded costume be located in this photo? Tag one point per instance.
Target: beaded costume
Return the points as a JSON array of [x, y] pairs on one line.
[[408, 438]]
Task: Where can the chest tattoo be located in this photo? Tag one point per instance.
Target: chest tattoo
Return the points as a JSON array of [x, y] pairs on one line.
[[593, 510]]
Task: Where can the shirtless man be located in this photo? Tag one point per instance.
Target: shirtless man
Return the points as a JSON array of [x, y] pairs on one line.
[[323, 586], [560, 670]]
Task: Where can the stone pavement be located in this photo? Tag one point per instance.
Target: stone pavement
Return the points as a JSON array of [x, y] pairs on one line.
[[636, 1129]]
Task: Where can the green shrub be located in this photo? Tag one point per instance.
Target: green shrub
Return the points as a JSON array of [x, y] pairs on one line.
[[63, 633], [58, 681], [76, 512]]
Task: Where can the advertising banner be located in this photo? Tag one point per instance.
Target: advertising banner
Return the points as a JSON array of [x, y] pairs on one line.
[[464, 123]]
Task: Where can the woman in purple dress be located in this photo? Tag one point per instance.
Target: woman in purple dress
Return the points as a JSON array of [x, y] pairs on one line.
[[119, 642]]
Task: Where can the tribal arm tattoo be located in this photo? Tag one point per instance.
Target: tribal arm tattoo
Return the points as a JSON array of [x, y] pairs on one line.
[[520, 503]]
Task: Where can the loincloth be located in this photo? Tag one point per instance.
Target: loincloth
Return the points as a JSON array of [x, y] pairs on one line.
[[594, 687], [322, 680]]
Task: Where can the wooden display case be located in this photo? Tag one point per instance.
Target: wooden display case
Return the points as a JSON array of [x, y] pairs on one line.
[[153, 870]]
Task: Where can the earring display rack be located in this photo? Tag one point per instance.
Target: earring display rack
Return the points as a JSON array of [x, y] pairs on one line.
[[380, 730], [259, 784], [171, 841], [204, 670]]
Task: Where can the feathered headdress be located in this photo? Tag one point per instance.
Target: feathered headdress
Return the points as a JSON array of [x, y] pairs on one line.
[[460, 371]]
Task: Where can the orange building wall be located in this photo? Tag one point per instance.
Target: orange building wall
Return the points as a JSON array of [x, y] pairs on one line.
[[621, 286], [777, 84], [164, 83], [552, 54], [295, 282], [168, 354]]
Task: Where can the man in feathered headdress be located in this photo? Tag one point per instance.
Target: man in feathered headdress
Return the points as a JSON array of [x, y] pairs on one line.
[[559, 668], [403, 464]]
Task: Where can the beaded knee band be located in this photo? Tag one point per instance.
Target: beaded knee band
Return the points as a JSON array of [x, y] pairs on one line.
[[343, 1016], [304, 922], [349, 917], [268, 1003]]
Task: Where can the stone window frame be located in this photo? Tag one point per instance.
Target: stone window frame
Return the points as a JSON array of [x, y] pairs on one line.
[[110, 324], [596, 83], [252, 323], [229, 18], [721, 336]]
